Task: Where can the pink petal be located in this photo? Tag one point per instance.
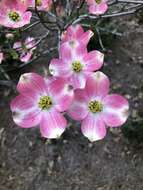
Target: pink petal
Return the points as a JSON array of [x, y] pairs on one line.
[[52, 124], [98, 9], [1, 57], [27, 17], [80, 50], [27, 3], [116, 110], [26, 57], [91, 2], [75, 31], [30, 43], [97, 85], [93, 60], [115, 101], [81, 96], [75, 36], [58, 68], [78, 81], [21, 5], [65, 51], [78, 109], [93, 127], [85, 37], [17, 45], [72, 48], [25, 112], [31, 82], [65, 93]]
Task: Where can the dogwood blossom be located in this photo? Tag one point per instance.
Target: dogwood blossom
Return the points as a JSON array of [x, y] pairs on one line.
[[38, 104], [96, 109], [97, 7], [13, 14], [76, 65], [25, 49], [75, 37]]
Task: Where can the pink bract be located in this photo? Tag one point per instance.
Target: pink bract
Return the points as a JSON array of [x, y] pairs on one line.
[[76, 32], [97, 7], [27, 3], [76, 37], [1, 57], [96, 109], [41, 102]]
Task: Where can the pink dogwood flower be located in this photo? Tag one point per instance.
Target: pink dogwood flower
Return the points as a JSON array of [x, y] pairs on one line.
[[41, 102], [1, 57], [97, 7], [76, 37], [25, 49], [76, 32], [13, 14], [96, 109], [76, 65]]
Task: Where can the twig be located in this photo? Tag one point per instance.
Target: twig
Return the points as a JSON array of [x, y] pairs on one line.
[[130, 1], [8, 83]]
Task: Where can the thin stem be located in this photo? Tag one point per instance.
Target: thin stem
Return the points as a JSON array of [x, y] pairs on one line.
[[130, 1], [100, 39], [8, 83]]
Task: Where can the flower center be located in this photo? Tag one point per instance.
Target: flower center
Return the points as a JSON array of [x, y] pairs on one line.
[[95, 106], [45, 103], [72, 43], [98, 1], [14, 16], [77, 66], [38, 2]]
